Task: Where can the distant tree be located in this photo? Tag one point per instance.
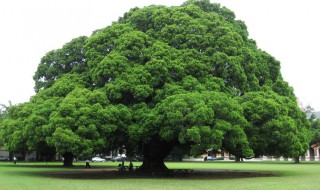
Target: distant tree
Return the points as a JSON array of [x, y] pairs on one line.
[[12, 129], [315, 130], [4, 109], [309, 109]]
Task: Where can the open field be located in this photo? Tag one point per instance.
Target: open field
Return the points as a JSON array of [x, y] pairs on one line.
[[38, 175]]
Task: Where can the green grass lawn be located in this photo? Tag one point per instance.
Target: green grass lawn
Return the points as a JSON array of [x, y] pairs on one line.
[[289, 176]]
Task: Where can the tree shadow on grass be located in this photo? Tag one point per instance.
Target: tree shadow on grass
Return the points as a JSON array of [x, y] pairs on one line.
[[30, 165], [112, 173]]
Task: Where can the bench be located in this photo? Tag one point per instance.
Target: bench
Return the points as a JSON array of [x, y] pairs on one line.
[[122, 169]]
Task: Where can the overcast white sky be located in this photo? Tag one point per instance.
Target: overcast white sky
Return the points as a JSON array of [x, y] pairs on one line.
[[288, 30]]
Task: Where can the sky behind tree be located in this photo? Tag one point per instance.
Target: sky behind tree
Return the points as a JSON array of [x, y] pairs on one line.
[[288, 30]]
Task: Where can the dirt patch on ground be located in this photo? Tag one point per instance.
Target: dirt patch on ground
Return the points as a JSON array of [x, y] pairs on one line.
[[108, 173]]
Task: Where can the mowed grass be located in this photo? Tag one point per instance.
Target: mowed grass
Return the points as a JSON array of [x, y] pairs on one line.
[[288, 176]]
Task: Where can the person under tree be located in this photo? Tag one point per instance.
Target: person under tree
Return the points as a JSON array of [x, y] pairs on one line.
[[88, 163]]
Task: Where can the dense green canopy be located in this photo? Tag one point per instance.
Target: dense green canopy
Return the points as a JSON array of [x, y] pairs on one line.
[[158, 78]]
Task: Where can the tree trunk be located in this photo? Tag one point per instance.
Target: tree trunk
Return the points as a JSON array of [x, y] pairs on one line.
[[10, 155], [68, 159], [154, 154], [24, 155], [296, 160]]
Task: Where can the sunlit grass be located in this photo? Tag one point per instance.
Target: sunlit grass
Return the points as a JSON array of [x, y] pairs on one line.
[[290, 176]]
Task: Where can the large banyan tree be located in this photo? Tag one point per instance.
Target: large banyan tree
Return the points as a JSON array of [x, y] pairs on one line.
[[159, 78]]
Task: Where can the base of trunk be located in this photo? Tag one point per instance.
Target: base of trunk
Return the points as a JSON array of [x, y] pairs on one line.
[[155, 169], [153, 165], [238, 159], [68, 159], [154, 154]]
